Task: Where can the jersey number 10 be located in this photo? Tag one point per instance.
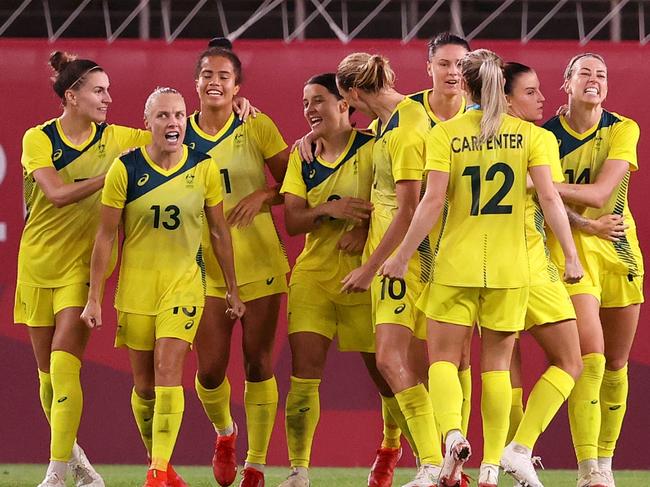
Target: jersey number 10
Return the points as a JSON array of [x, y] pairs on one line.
[[493, 206]]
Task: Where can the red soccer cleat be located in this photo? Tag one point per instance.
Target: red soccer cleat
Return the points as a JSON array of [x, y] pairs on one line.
[[383, 468], [465, 480], [224, 460], [252, 478], [156, 478], [173, 479]]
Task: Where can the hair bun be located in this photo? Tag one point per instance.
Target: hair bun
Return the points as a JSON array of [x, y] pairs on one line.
[[222, 42], [59, 60]]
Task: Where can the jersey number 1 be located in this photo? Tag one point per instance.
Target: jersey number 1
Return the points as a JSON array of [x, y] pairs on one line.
[[173, 217], [492, 207]]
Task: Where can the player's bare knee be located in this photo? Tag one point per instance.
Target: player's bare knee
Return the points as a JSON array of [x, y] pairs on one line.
[[615, 362], [211, 379]]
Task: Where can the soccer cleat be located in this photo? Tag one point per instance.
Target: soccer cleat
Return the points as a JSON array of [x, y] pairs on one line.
[[383, 468], [465, 480], [452, 466], [516, 462], [224, 460], [251, 477], [609, 476], [83, 473], [296, 479], [488, 475], [592, 479], [156, 478], [173, 479], [427, 476], [52, 479]]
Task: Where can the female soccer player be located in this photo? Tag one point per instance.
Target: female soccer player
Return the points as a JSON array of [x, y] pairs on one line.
[[328, 200], [598, 153], [478, 163], [161, 192], [242, 150], [367, 83], [64, 162]]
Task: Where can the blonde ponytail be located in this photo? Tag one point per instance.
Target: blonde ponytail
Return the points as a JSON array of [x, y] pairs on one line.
[[365, 71], [483, 73]]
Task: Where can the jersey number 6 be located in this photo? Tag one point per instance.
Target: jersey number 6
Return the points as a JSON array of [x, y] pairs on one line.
[[492, 207], [173, 217]]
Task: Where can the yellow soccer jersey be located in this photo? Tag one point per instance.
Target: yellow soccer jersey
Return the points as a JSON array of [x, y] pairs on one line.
[[56, 244], [240, 150], [542, 268], [350, 175], [422, 97], [163, 217], [482, 242], [582, 157]]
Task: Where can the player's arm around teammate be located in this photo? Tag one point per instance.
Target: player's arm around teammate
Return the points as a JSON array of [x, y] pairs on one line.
[[598, 153], [367, 83], [460, 278], [160, 291], [243, 152], [65, 161]]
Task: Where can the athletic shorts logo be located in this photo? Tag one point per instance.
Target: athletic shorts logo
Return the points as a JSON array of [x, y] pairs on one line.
[[400, 308], [303, 410], [614, 408], [143, 180], [595, 401], [57, 155], [270, 280], [62, 399], [189, 324]]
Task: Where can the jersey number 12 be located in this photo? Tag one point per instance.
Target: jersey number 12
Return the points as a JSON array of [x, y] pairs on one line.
[[493, 206]]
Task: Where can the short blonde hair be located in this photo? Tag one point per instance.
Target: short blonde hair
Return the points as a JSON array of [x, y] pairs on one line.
[[483, 73], [368, 72], [160, 90]]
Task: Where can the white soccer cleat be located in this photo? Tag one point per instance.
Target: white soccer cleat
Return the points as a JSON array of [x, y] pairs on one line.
[[83, 473], [427, 476], [609, 476], [297, 478], [593, 478], [52, 479], [517, 462], [452, 466], [488, 475]]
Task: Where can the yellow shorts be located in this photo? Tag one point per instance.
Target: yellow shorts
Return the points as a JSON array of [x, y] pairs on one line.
[[393, 302], [140, 332], [253, 290], [612, 290], [549, 303], [37, 306], [494, 309], [314, 309]]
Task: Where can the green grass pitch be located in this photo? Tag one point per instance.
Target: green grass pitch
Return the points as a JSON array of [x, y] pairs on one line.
[[133, 476]]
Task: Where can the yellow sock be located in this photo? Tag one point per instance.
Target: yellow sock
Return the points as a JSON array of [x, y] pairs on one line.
[[415, 404], [67, 403], [516, 412], [549, 393], [167, 417], [392, 431], [261, 403], [398, 416], [143, 411], [613, 403], [495, 412], [584, 407], [446, 396], [216, 403], [45, 392], [302, 412], [465, 378]]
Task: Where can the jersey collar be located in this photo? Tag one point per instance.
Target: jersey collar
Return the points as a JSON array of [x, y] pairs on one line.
[[158, 169], [194, 121], [573, 133], [67, 142]]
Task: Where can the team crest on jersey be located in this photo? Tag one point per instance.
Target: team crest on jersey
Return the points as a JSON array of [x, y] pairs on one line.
[[239, 139], [101, 148], [57, 155], [597, 143], [189, 180], [143, 180]]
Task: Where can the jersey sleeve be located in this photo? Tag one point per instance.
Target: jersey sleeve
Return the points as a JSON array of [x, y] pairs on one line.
[[406, 149], [540, 153], [438, 147], [128, 138], [293, 182], [625, 137], [37, 151], [213, 188], [268, 136], [554, 156], [115, 185]]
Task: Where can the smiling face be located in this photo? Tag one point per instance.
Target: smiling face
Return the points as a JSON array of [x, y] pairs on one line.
[[166, 118], [444, 69], [323, 111], [216, 84], [91, 100], [526, 100], [588, 81]]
